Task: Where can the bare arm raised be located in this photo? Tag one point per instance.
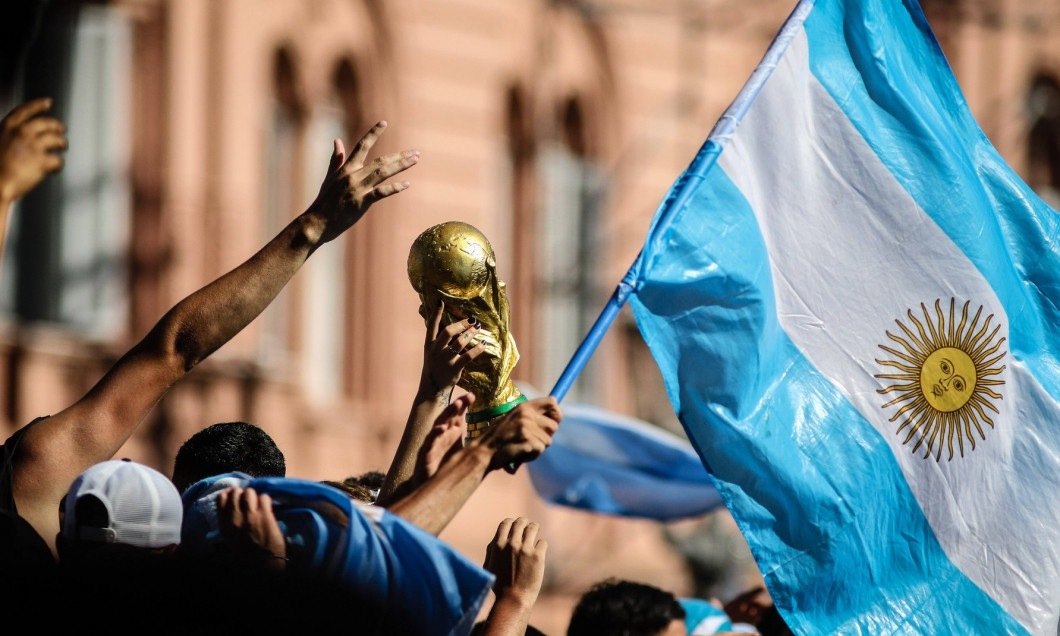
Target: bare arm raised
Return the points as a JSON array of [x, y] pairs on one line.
[[57, 449]]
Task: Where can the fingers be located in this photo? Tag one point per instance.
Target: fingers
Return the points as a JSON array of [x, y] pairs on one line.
[[386, 190], [362, 147], [528, 540], [26, 111], [381, 169], [51, 141], [435, 323], [338, 157], [456, 409], [515, 536], [43, 126], [504, 531], [265, 504], [52, 163], [549, 407], [249, 502], [460, 334]]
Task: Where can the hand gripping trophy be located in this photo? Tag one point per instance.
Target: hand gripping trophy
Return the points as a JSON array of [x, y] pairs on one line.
[[454, 263]]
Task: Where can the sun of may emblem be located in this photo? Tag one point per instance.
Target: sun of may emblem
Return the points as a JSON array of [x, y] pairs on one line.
[[944, 371]]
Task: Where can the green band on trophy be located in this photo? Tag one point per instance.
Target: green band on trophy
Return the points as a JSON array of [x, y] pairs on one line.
[[489, 414]]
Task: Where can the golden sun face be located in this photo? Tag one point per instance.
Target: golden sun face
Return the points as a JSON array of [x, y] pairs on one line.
[[943, 378]]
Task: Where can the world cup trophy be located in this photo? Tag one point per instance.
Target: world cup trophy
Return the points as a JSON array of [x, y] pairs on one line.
[[454, 263]]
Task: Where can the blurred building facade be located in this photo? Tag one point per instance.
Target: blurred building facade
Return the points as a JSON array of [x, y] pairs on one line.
[[198, 128]]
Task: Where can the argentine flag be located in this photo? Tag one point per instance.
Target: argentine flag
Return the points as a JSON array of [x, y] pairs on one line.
[[611, 464], [855, 304]]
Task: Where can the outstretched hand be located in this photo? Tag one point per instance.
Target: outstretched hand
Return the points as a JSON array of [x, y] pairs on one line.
[[29, 148], [350, 186], [517, 558], [446, 351]]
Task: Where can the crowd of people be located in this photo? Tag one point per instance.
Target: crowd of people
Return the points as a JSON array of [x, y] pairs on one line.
[[230, 541]]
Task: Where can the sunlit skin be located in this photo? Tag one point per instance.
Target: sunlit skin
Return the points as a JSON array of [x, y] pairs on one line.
[[945, 369]]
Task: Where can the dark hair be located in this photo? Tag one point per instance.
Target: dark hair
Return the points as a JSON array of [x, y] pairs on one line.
[[352, 489], [480, 628], [225, 448], [373, 479], [615, 607]]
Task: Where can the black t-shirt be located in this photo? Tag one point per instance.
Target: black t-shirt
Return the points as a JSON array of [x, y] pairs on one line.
[[22, 549]]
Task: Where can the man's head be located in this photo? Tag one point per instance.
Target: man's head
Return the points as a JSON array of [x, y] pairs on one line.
[[120, 503], [224, 448], [623, 607]]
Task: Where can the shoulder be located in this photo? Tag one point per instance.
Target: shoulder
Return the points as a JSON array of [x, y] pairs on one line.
[[7, 454]]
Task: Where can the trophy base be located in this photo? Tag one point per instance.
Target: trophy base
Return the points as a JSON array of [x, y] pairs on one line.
[[479, 421]]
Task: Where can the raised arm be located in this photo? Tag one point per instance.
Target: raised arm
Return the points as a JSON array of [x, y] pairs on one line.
[[446, 351], [29, 151], [57, 449], [520, 436]]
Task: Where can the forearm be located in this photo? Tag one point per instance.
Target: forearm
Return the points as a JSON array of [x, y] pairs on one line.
[[429, 403], [208, 318], [5, 212], [509, 616], [434, 504]]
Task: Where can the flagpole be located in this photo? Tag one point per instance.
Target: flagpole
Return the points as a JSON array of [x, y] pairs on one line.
[[595, 335]]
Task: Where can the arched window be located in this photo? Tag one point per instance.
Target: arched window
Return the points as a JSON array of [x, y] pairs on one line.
[[357, 291], [282, 197], [567, 231], [520, 190]]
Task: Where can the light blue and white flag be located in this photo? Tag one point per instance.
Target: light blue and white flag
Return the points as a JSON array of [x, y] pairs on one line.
[[855, 304], [612, 464]]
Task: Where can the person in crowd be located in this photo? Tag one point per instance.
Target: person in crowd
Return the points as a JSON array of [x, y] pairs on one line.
[[115, 504], [226, 447], [121, 524], [40, 460], [31, 147], [516, 557], [395, 577], [615, 607]]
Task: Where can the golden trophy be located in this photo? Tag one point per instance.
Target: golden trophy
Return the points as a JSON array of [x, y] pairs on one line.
[[454, 263]]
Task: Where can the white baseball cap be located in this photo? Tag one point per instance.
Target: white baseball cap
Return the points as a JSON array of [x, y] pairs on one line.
[[143, 506]]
